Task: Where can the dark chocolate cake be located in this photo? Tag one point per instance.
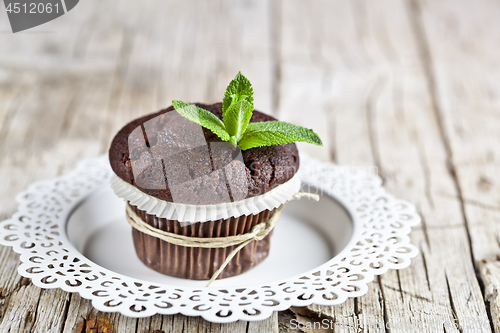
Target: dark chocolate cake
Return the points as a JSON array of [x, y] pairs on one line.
[[142, 154], [266, 167]]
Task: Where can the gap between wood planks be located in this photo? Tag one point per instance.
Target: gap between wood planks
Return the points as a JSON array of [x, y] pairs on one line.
[[426, 58]]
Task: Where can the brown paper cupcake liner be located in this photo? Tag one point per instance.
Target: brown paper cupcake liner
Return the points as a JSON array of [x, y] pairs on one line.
[[194, 262]]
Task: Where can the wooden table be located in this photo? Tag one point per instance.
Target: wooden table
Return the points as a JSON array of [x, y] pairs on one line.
[[412, 87]]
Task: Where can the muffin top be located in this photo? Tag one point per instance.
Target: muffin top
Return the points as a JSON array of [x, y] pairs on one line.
[[174, 159]]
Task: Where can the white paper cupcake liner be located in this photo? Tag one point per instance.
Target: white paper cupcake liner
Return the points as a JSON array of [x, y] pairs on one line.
[[187, 214]]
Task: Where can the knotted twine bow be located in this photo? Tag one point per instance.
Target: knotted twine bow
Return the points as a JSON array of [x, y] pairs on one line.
[[258, 232]]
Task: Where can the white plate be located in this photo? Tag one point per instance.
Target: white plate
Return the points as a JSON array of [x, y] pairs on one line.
[[72, 234], [98, 229]]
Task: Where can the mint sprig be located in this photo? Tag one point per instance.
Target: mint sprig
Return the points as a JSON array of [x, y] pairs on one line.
[[237, 109]]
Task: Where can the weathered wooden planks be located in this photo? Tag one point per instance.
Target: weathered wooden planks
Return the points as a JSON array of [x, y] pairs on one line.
[[364, 66]]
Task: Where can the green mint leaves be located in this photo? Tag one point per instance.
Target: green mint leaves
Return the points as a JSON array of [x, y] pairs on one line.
[[237, 108], [238, 89], [202, 117], [237, 118], [270, 133]]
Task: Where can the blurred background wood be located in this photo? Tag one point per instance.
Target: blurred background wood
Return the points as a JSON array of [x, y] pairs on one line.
[[411, 87]]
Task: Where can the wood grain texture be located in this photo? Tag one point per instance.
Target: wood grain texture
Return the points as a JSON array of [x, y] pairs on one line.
[[490, 273], [410, 87]]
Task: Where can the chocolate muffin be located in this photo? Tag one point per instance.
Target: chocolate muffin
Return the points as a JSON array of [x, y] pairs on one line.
[[168, 167]]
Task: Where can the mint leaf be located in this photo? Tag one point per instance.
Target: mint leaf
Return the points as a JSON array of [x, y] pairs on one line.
[[237, 118], [238, 89], [202, 117], [271, 133], [237, 109]]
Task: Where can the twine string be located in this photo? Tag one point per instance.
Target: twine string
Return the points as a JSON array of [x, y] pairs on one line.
[[258, 232]]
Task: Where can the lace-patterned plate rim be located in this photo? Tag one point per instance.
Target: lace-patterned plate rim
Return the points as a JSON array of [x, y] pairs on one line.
[[380, 241]]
